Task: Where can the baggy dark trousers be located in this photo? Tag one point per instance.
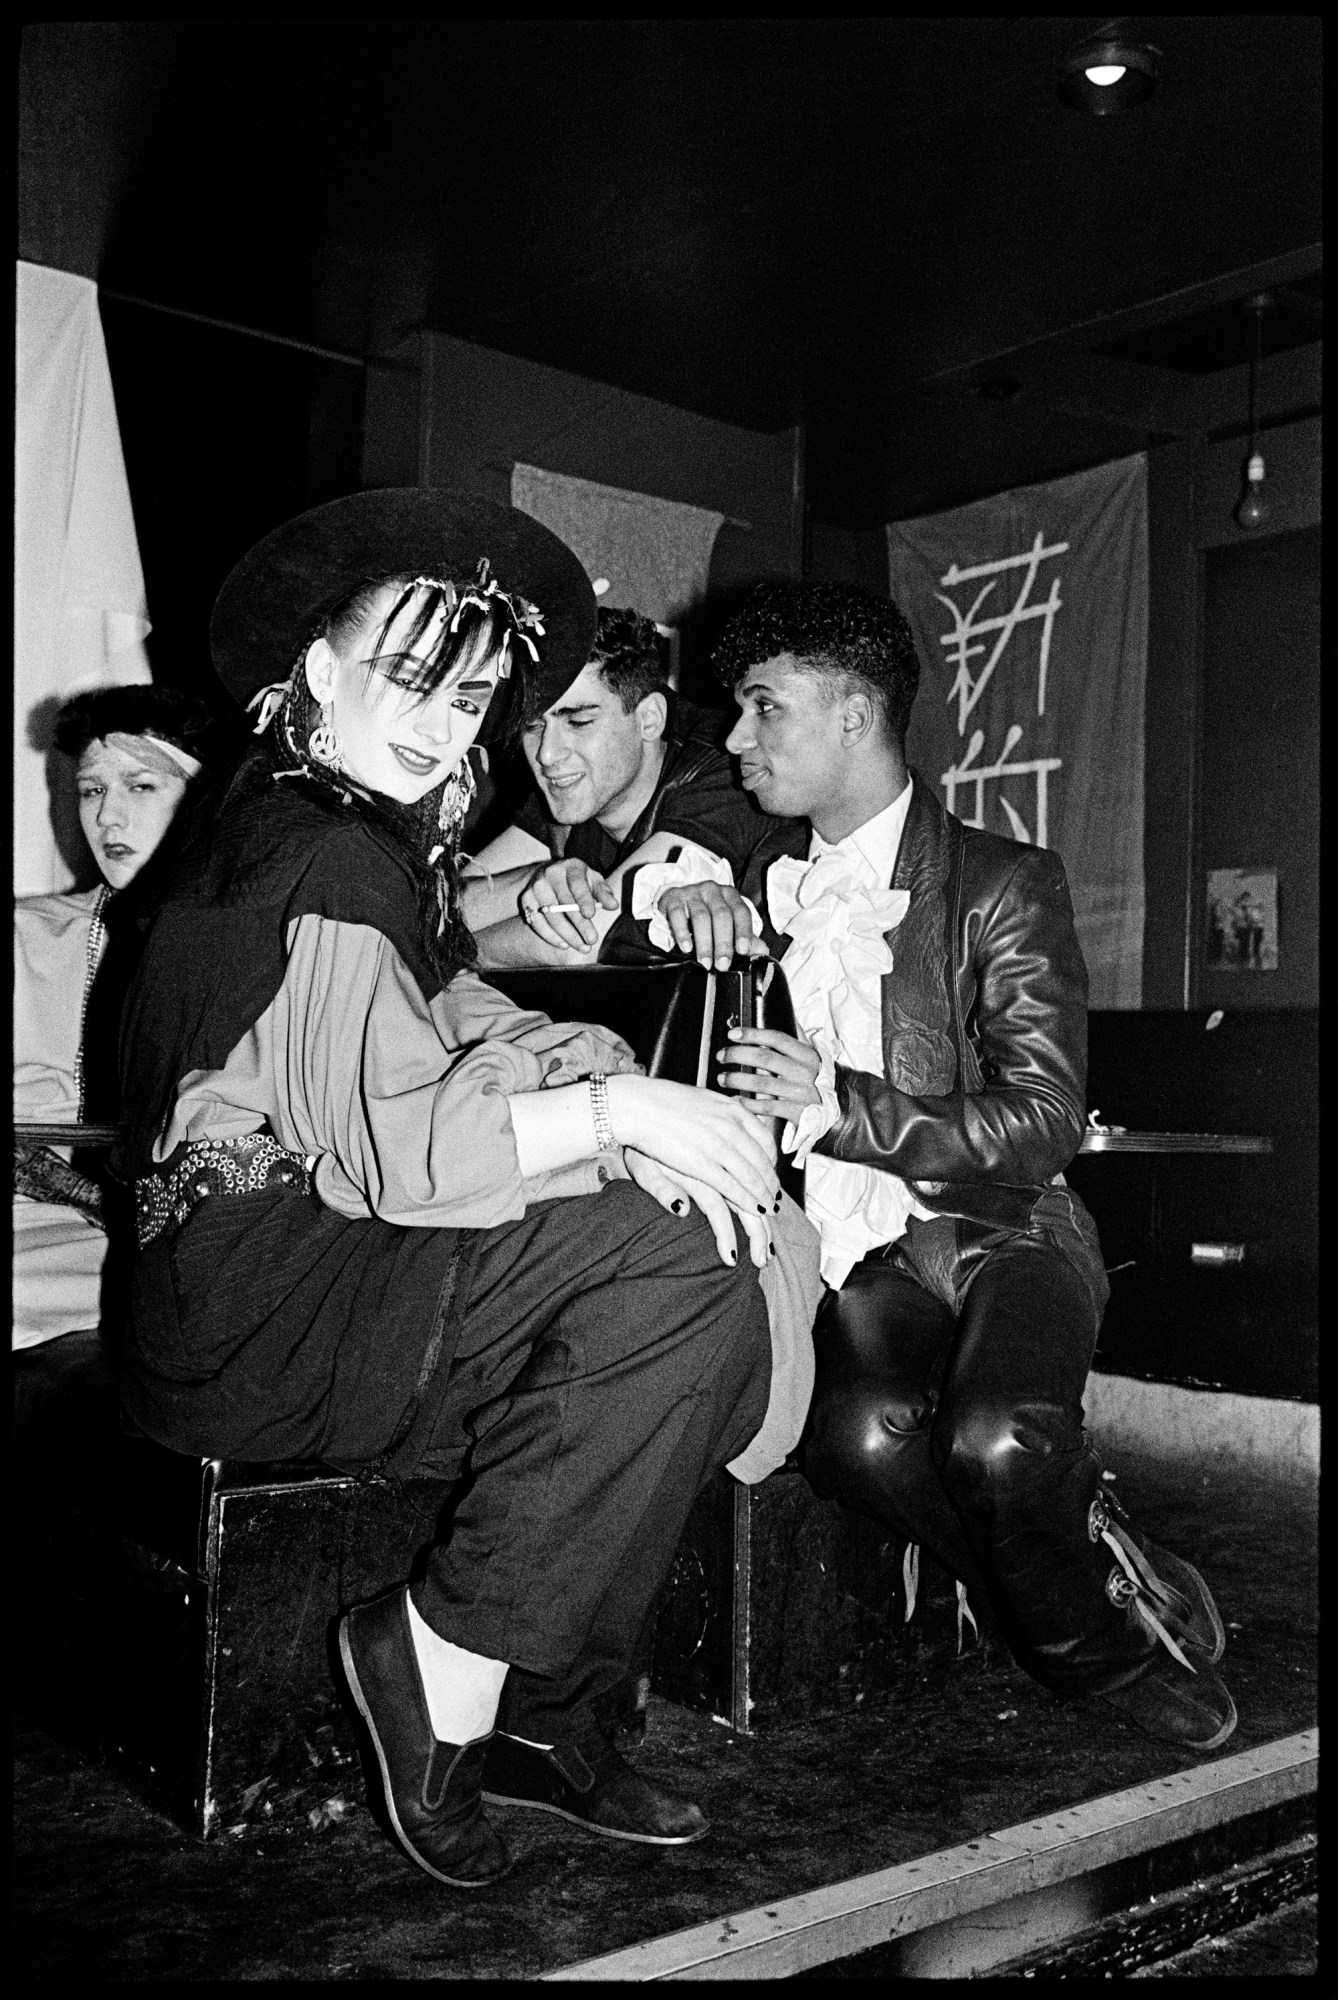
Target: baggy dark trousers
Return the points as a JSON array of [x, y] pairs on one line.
[[607, 1364], [948, 1405]]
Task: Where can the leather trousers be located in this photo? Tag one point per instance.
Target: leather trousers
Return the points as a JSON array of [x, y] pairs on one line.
[[948, 1406]]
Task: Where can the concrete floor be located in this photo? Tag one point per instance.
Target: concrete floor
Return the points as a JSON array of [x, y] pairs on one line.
[[109, 1889]]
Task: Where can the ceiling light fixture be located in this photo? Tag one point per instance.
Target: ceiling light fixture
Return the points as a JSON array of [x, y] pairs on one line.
[[1109, 74], [1252, 508]]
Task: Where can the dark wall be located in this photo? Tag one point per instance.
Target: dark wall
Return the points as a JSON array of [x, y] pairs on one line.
[[1250, 1325], [444, 410], [1194, 542], [1232, 732], [847, 555], [1259, 779], [224, 437]]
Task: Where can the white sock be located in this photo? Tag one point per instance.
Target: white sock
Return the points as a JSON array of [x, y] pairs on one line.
[[462, 1689]]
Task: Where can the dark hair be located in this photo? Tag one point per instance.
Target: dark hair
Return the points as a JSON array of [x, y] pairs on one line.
[[478, 629], [830, 628], [137, 710], [631, 657]]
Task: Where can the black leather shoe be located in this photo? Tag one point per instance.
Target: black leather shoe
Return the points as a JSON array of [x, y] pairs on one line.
[[432, 1789], [1193, 1709], [607, 1795]]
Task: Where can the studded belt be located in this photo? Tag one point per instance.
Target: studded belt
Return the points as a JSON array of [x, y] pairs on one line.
[[210, 1167]]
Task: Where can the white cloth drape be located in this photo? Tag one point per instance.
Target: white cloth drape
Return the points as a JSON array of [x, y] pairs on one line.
[[80, 617], [655, 554]]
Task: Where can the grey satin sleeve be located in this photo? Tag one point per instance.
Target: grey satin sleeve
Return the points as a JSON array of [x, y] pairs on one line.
[[402, 1103]]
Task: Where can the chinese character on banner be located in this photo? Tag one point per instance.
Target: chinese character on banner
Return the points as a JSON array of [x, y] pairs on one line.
[[1030, 618]]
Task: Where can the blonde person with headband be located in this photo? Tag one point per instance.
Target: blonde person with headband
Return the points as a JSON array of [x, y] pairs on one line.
[[390, 1221], [138, 755]]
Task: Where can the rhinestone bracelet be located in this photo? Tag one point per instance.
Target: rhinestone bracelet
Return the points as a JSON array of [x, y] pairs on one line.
[[599, 1111]]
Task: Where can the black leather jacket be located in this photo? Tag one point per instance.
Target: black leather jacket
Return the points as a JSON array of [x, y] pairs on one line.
[[984, 1022]]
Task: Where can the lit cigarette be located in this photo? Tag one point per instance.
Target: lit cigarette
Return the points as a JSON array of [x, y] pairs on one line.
[[558, 909]]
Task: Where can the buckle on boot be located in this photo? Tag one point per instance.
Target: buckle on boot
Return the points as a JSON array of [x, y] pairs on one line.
[[1120, 1588], [1098, 1520]]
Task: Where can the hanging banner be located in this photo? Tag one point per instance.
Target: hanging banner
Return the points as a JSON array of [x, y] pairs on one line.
[[654, 555], [1030, 617]]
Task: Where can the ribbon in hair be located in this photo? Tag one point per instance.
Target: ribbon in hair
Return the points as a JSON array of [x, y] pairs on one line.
[[269, 701]]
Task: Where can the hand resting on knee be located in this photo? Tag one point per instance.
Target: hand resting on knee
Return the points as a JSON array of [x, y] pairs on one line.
[[680, 1144]]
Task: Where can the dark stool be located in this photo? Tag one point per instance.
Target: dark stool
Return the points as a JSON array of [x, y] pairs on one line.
[[780, 1604], [182, 1607]]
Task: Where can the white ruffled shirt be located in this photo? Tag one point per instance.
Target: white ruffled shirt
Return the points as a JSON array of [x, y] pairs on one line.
[[835, 908]]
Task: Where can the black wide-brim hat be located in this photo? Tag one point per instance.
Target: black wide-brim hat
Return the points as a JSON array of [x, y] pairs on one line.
[[282, 590]]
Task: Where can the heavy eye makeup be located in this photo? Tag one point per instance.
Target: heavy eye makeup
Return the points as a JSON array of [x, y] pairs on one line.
[[407, 680]]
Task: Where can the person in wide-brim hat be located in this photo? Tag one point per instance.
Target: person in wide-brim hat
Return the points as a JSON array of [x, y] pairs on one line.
[[278, 596], [457, 581], [389, 1221]]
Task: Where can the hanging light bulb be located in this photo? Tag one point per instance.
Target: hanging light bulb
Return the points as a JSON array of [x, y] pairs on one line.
[[1252, 508]]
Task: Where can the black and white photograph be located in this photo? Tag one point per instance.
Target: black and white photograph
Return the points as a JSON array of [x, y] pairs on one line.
[[1243, 920], [666, 1138]]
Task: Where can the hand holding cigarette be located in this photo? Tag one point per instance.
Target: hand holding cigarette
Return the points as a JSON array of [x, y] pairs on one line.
[[559, 902]]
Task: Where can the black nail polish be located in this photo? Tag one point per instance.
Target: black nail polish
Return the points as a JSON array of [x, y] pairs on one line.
[[761, 1208]]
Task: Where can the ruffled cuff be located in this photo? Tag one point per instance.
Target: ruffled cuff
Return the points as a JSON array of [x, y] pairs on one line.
[[800, 1139], [694, 864]]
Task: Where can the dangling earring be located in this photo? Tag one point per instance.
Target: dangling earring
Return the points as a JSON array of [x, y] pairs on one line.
[[323, 743], [457, 796]]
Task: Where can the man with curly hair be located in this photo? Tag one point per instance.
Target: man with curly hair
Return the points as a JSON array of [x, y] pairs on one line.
[[627, 778], [935, 1096]]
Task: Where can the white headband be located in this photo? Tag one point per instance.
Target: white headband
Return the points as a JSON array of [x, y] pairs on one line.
[[155, 752]]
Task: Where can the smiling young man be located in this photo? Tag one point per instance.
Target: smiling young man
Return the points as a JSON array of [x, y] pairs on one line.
[[936, 1097], [625, 777]]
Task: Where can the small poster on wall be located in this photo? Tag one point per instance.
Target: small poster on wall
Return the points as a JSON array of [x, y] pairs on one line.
[[1242, 920]]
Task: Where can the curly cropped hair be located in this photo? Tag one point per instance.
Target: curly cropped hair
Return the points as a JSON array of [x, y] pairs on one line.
[[136, 710], [631, 657], [832, 629]]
